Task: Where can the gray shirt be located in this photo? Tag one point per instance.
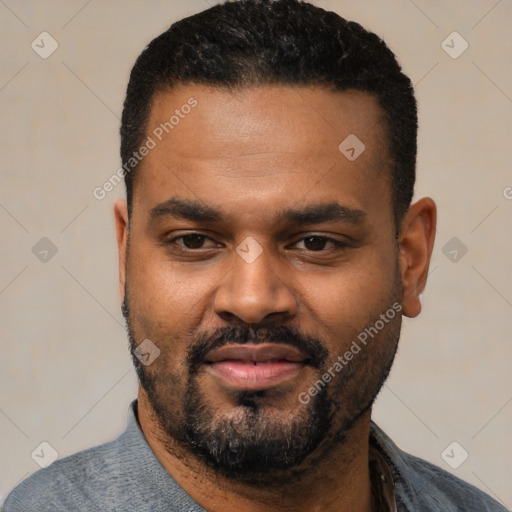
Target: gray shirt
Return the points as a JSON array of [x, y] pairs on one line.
[[125, 475]]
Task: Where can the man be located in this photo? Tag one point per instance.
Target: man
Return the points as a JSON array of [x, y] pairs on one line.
[[268, 249]]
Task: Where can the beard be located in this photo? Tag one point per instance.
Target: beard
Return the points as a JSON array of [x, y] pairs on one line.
[[255, 441]]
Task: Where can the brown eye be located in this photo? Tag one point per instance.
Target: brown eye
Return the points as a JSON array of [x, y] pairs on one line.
[[320, 244], [193, 241], [315, 243]]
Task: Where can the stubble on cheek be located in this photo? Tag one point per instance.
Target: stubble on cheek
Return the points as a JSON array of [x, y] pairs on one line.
[[354, 384], [163, 381]]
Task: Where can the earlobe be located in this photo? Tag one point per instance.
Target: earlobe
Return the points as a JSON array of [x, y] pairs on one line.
[[416, 241], [121, 220]]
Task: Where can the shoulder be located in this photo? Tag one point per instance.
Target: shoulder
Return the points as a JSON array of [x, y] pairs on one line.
[[123, 474], [421, 485], [448, 491], [68, 484]]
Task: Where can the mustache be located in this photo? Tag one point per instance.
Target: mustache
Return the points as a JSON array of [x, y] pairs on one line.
[[203, 343]]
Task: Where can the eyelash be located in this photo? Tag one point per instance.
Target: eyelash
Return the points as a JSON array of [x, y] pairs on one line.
[[337, 243]]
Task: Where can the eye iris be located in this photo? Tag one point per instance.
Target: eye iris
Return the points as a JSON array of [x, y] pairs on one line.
[[320, 243], [193, 241]]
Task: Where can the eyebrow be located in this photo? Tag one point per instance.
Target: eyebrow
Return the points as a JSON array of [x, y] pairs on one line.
[[316, 213]]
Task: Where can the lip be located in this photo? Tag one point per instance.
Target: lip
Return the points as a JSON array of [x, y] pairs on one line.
[[255, 367]]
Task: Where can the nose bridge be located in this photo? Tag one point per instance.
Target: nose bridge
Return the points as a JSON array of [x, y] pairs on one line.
[[253, 288]]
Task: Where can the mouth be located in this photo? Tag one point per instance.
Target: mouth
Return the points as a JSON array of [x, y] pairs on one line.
[[255, 367]]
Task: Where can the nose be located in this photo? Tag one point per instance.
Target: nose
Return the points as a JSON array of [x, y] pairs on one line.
[[255, 289]]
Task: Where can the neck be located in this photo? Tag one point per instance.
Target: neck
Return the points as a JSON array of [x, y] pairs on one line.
[[335, 477]]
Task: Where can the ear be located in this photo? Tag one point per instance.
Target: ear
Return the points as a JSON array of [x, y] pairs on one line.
[[416, 241], [122, 226]]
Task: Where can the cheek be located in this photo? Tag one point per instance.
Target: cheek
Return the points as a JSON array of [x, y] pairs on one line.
[[343, 301], [167, 293]]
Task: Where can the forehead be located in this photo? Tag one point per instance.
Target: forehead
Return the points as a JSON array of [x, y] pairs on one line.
[[264, 143], [250, 116]]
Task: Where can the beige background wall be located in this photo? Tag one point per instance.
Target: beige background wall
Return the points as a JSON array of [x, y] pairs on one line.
[[66, 376]]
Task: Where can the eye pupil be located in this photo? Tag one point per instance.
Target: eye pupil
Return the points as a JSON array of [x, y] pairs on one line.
[[193, 241], [319, 245]]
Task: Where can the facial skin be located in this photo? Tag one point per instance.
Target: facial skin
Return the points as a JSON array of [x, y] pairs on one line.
[[237, 438]]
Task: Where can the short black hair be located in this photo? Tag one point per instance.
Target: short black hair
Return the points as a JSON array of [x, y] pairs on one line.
[[247, 43]]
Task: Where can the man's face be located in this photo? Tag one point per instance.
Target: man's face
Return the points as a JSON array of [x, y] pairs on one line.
[[258, 253]]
